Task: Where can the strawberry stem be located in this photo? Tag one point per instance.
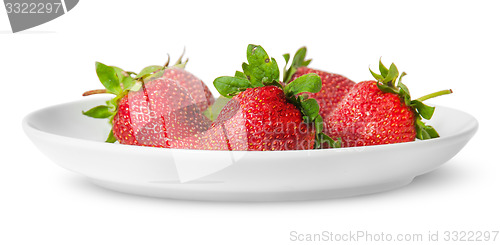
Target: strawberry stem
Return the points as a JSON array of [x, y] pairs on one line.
[[435, 94], [95, 91]]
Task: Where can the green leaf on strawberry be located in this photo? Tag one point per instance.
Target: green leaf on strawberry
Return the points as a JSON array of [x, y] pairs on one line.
[[111, 137], [231, 86], [322, 138], [424, 110], [108, 77], [299, 60], [391, 76], [379, 77], [287, 58], [100, 111], [383, 70], [404, 92], [240, 75], [310, 110], [260, 66], [147, 71], [307, 83], [425, 132], [124, 78]]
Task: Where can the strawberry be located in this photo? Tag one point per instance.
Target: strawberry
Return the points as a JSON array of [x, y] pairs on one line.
[[158, 113], [381, 112], [334, 86], [212, 139], [263, 114], [262, 119], [153, 108], [198, 89]]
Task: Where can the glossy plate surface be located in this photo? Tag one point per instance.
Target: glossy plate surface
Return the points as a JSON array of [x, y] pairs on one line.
[[75, 142]]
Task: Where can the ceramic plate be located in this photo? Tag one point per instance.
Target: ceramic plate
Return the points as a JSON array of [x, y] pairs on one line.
[[75, 142]]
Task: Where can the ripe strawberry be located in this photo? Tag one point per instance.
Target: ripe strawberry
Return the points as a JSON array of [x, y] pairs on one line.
[[261, 119], [265, 115], [158, 113], [153, 108], [212, 139], [198, 89], [381, 112], [334, 86]]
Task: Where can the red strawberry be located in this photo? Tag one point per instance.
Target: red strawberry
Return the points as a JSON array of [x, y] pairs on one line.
[[334, 86], [197, 88], [381, 112], [261, 119], [154, 107], [158, 113], [265, 115], [212, 139]]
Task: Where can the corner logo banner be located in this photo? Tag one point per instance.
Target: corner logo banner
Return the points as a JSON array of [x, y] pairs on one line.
[[25, 14]]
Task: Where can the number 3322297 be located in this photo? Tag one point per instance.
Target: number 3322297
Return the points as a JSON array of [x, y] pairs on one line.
[[33, 8]]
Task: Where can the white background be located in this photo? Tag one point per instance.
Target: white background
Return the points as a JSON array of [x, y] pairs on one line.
[[439, 44]]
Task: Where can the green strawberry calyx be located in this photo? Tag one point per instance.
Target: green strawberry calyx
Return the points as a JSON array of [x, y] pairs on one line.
[[299, 60], [119, 82], [387, 81], [262, 70]]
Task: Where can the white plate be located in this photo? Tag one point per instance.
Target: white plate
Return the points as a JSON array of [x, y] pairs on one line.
[[75, 142]]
